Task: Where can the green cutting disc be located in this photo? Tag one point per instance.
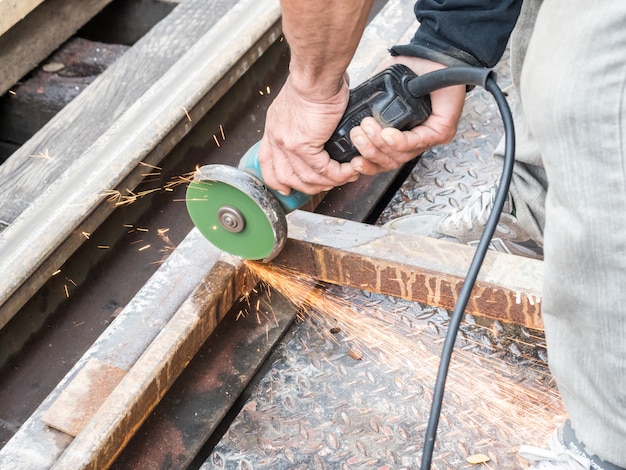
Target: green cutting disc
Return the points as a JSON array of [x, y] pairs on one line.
[[236, 212]]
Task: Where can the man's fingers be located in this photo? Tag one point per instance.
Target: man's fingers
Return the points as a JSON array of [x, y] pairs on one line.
[[365, 167]]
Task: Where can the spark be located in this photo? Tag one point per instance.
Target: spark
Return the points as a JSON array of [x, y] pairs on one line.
[[86, 235], [145, 247], [402, 343], [217, 142], [222, 132], [43, 155], [187, 114], [116, 197], [168, 245], [154, 167]]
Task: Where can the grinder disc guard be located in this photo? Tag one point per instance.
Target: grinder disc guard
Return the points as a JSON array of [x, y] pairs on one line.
[[236, 212]]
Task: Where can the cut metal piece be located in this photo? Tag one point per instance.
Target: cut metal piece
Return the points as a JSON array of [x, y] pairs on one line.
[[236, 213], [412, 267]]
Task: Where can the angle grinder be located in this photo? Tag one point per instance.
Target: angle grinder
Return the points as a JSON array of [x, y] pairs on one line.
[[238, 213]]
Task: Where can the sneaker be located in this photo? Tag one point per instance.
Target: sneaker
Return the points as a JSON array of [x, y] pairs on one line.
[[566, 452], [466, 225]]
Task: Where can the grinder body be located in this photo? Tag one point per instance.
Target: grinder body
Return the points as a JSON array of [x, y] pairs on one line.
[[238, 213]]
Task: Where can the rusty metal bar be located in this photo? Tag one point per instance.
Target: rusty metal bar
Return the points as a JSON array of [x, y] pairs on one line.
[[412, 267], [130, 403], [150, 343]]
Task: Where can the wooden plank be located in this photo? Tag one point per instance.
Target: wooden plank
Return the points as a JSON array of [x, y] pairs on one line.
[[109, 148], [13, 11], [30, 41], [43, 94], [412, 267], [64, 139]]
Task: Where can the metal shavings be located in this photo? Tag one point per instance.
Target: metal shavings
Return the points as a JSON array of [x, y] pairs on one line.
[[356, 355], [53, 67], [478, 459]]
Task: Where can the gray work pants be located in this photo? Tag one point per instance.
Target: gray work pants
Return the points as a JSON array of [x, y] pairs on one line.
[[529, 183], [573, 86]]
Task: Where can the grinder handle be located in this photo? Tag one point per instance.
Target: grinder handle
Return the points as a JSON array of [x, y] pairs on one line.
[[387, 98]]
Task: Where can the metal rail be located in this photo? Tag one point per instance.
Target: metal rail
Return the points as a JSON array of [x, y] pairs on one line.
[[48, 231]]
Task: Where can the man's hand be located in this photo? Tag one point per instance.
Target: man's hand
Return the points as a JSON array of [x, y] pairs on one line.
[[387, 149], [292, 154]]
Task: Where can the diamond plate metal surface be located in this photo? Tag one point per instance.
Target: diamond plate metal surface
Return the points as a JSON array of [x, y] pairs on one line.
[[446, 176], [320, 405], [326, 402]]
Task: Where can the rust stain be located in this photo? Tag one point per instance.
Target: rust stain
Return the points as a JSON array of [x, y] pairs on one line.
[[380, 275]]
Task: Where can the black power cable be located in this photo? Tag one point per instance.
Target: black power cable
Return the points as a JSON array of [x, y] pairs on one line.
[[419, 87]]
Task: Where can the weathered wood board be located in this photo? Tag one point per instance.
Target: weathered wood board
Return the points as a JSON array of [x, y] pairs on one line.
[[13, 11], [30, 41]]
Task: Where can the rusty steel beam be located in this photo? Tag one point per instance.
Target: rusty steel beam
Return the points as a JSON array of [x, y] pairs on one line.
[[412, 267], [80, 425], [106, 433]]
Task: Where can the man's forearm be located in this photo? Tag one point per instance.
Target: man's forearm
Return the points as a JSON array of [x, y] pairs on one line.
[[323, 36]]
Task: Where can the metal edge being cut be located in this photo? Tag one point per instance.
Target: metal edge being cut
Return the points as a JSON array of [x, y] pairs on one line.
[[251, 187]]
